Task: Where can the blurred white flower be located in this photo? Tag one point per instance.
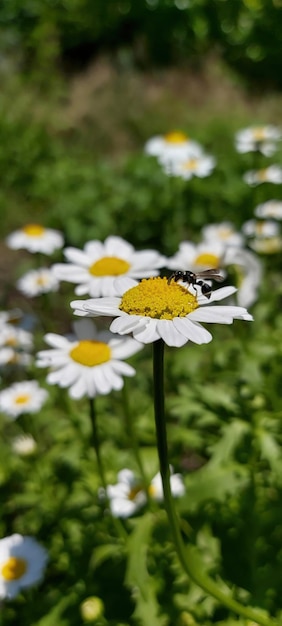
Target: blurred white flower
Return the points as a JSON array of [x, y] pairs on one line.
[[128, 495], [9, 356], [156, 309], [91, 363], [258, 138], [36, 282], [15, 337], [271, 174], [22, 564], [269, 209], [23, 397], [99, 269], [176, 485], [223, 232], [174, 145], [264, 229], [200, 166], [24, 445], [35, 238], [248, 269], [270, 245]]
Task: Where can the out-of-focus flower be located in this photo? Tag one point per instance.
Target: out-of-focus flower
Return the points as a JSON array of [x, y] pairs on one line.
[[35, 238], [36, 282], [174, 145], [91, 363], [271, 174], [224, 232], [99, 269], [258, 139], [22, 564], [272, 209], [263, 229], [156, 309], [199, 166], [128, 495], [271, 245], [15, 337], [24, 445], [9, 356], [23, 397], [176, 484]]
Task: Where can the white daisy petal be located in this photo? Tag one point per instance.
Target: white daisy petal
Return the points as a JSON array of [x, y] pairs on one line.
[[29, 560], [169, 333], [192, 331]]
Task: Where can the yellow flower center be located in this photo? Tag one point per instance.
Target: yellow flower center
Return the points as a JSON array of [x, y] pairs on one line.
[[156, 298], [207, 260], [259, 134], [14, 568], [176, 137], [11, 341], [109, 266], [152, 491], [33, 230], [134, 492], [23, 399], [225, 233], [190, 164], [262, 175], [91, 353], [41, 281]]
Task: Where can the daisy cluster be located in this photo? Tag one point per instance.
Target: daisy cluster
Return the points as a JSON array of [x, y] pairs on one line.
[[263, 231], [180, 156]]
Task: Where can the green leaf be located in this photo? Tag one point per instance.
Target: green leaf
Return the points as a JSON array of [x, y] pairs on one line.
[[137, 577], [212, 482]]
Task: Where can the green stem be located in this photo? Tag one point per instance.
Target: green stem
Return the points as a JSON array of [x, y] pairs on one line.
[[131, 434], [96, 442], [187, 555]]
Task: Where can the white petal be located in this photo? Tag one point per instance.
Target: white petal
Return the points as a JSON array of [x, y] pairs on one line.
[[128, 323], [193, 331], [169, 333], [147, 334]]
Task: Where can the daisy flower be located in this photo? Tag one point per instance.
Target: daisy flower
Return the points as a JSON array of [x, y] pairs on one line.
[[89, 364], [259, 138], [223, 232], [23, 397], [36, 282], [174, 145], [128, 495], [270, 245], [22, 564], [264, 229], [15, 337], [269, 209], [271, 174], [156, 309], [200, 166], [8, 356], [35, 238], [99, 268]]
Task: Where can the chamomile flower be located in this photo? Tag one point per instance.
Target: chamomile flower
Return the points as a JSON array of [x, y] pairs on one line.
[[176, 485], [99, 268], [23, 397], [15, 337], [156, 309], [174, 145], [260, 228], [272, 209], [35, 238], [128, 495], [258, 138], [22, 564], [266, 245], [9, 356], [200, 166], [223, 232], [36, 282], [271, 174], [89, 364]]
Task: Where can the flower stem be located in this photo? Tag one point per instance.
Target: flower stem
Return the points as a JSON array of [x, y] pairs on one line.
[[96, 442], [188, 556]]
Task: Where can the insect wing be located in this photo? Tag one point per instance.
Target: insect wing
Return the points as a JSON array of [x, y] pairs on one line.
[[212, 274]]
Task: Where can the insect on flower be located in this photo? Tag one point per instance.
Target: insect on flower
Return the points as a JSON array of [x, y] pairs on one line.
[[196, 279]]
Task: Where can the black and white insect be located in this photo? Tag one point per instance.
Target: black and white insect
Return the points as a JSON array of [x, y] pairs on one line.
[[197, 279]]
